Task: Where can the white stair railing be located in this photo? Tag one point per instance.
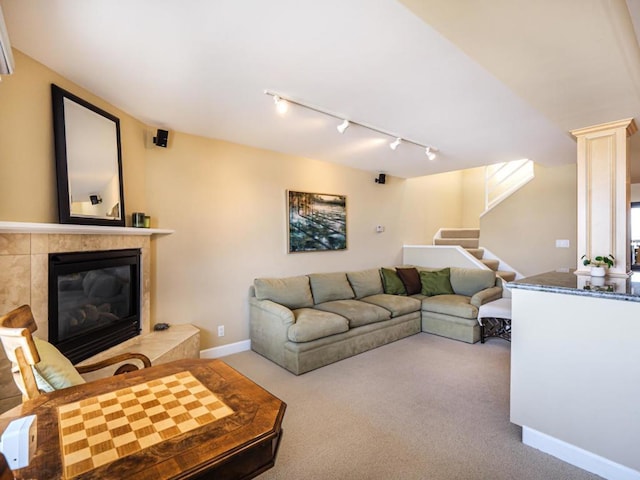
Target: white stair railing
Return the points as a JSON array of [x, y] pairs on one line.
[[504, 179]]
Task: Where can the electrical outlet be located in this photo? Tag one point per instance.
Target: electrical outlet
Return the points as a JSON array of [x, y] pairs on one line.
[[221, 330], [562, 243]]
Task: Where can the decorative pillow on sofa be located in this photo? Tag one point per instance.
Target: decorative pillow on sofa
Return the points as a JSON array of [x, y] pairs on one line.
[[410, 279], [327, 287], [436, 283], [292, 292], [391, 282]]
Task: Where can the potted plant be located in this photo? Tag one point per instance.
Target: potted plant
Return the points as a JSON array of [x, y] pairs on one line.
[[599, 264]]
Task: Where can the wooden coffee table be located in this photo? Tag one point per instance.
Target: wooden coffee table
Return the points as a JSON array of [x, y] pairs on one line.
[[191, 418]]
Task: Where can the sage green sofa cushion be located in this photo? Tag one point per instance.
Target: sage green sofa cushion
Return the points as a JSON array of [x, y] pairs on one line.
[[327, 287], [312, 324], [365, 282], [391, 282], [454, 305], [292, 292], [396, 304], [467, 281], [436, 282], [357, 312]]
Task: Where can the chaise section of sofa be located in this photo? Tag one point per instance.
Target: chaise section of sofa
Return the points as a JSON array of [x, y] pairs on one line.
[[305, 322], [455, 314]]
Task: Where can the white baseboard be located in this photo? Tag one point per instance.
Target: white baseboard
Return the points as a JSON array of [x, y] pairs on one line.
[[224, 350], [577, 456]]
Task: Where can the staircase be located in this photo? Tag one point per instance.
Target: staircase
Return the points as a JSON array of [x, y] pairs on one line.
[[469, 238]]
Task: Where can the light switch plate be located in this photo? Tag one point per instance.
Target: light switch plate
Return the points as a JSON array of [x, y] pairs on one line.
[[562, 243]]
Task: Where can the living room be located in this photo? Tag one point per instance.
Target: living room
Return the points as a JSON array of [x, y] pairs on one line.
[[226, 202]]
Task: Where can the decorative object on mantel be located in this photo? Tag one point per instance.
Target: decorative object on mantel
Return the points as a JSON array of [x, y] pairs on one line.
[[317, 222], [599, 264], [137, 219], [88, 162]]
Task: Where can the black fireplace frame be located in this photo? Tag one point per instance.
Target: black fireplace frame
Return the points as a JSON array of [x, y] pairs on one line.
[[80, 347]]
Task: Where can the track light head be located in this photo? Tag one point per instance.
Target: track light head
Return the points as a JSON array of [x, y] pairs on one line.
[[395, 143], [281, 105], [430, 154], [343, 126]]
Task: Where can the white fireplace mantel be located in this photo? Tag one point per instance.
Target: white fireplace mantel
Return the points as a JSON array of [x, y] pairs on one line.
[[25, 227]]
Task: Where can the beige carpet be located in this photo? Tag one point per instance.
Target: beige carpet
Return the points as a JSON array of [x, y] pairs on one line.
[[424, 407]]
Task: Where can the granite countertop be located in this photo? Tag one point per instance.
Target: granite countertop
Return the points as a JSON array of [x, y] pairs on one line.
[[567, 282]]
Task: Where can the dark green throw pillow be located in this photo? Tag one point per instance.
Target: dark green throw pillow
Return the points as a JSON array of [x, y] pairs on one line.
[[436, 283], [391, 282]]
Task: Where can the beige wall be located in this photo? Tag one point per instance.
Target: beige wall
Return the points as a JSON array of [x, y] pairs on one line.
[[227, 204], [431, 202], [523, 229], [472, 196], [28, 191]]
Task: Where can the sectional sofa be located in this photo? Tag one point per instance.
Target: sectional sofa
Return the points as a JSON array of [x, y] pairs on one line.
[[308, 321]]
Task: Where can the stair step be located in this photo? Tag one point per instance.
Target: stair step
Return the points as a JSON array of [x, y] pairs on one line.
[[460, 233], [476, 252], [492, 264], [506, 276], [463, 242]]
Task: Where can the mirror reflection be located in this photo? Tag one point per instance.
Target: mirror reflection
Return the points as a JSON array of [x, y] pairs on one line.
[[92, 162], [88, 162]]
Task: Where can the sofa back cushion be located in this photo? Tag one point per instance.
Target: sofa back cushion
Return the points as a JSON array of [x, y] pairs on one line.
[[391, 282], [366, 282], [468, 281], [327, 287], [292, 292]]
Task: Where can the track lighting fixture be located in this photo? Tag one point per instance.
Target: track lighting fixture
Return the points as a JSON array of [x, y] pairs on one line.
[[282, 104], [430, 154]]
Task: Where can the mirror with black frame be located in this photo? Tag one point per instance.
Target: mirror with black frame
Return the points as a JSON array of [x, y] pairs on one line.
[[88, 162]]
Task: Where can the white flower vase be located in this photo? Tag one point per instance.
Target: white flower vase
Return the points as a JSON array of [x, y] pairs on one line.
[[598, 271]]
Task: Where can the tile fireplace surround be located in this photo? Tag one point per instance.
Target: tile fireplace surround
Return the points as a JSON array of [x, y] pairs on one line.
[[24, 257]]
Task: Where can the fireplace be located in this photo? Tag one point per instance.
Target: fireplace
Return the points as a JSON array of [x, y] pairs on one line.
[[94, 300]]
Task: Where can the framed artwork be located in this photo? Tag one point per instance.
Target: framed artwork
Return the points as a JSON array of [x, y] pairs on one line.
[[317, 222]]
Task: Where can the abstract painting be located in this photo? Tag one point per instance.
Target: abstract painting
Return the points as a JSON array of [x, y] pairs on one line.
[[317, 222]]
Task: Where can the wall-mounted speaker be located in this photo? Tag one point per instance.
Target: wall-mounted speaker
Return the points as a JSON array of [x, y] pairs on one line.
[[382, 178], [161, 138]]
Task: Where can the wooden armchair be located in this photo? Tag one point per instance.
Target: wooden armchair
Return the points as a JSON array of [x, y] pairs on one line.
[[54, 371]]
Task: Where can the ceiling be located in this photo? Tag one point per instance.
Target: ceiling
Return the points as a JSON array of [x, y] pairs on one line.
[[483, 82]]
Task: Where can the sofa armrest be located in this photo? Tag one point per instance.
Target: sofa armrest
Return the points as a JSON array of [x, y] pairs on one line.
[[486, 295], [273, 309], [269, 324]]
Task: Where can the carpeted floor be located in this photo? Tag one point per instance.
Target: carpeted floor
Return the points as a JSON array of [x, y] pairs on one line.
[[424, 407]]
